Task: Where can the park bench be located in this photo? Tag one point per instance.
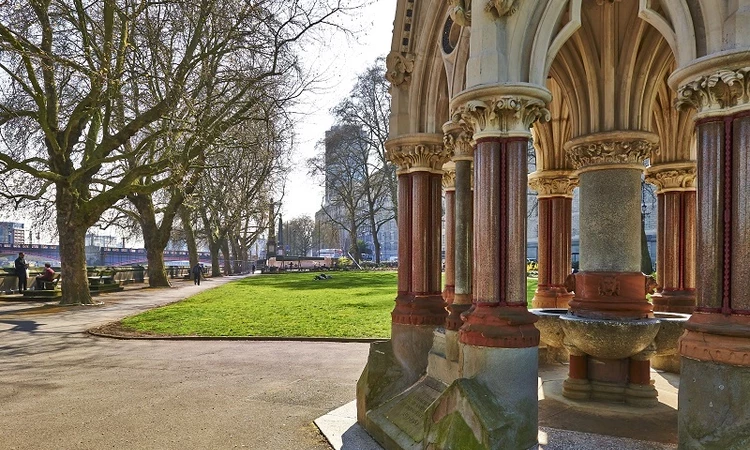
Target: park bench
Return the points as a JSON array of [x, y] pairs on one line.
[[45, 285], [104, 281]]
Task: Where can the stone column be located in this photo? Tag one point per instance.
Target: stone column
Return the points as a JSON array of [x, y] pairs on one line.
[[714, 392], [555, 202], [420, 307], [457, 140], [449, 187], [498, 340], [610, 324], [676, 257]]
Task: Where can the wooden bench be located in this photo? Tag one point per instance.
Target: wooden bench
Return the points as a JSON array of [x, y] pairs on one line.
[[104, 282], [47, 285]]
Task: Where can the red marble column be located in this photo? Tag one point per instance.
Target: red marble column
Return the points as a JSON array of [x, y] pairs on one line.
[[500, 317], [419, 300], [719, 330], [449, 186], [555, 201], [676, 236]]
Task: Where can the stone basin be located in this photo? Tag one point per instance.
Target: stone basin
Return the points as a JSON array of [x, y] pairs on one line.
[[609, 339], [672, 326], [549, 325]]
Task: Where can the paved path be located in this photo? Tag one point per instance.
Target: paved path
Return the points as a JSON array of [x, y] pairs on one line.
[[61, 388]]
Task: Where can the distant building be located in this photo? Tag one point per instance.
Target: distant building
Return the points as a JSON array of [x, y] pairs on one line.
[[12, 233]]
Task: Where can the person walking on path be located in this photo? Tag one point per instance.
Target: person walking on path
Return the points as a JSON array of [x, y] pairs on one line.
[[21, 266], [197, 274]]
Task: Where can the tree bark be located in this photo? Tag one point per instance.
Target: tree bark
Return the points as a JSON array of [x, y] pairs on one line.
[[75, 282], [214, 248], [187, 225], [227, 256]]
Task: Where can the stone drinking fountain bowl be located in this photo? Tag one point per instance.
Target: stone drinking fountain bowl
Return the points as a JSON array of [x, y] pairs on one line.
[[551, 334], [667, 356], [609, 339], [549, 325]]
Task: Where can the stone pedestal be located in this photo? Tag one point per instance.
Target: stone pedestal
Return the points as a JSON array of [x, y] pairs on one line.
[[676, 236], [555, 199], [610, 330], [715, 388]]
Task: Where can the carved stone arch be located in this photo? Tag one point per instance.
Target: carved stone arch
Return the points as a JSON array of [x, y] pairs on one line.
[[550, 137]]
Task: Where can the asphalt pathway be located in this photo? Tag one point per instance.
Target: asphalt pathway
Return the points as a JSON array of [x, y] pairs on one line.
[[61, 388]]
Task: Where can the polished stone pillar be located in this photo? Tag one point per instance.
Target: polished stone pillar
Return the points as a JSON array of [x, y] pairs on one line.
[[714, 392], [676, 236], [555, 202], [420, 307], [610, 332], [449, 187], [457, 140]]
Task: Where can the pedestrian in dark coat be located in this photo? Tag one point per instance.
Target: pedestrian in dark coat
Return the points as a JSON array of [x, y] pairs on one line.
[[21, 266], [197, 271]]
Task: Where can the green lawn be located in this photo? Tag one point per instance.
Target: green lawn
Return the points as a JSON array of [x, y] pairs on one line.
[[352, 304]]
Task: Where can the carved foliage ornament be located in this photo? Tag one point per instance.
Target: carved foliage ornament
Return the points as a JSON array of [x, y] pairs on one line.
[[633, 151], [500, 8], [428, 157], [460, 12], [720, 90], [504, 114], [399, 67], [449, 179], [459, 145], [674, 179], [553, 187]]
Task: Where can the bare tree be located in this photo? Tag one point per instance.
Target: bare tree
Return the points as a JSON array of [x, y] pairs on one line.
[[300, 234]]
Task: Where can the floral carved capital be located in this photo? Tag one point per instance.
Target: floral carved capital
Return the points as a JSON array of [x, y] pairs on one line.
[[411, 157], [553, 186], [721, 90], [458, 141], [608, 152], [503, 115], [500, 8], [399, 67], [673, 179], [460, 12], [449, 179]]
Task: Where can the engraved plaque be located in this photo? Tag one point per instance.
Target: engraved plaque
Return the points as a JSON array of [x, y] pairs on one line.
[[409, 413]]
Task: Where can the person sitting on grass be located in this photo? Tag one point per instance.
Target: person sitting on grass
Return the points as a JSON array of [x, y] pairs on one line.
[[47, 275]]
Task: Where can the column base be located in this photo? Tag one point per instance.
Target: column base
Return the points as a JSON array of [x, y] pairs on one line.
[[557, 298], [419, 309], [495, 325], [638, 395], [610, 295], [674, 301], [455, 310], [449, 294]]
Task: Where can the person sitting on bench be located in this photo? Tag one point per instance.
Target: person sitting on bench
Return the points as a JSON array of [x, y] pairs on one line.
[[47, 275]]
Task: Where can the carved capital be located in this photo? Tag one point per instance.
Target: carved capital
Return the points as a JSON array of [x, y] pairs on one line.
[[553, 184], [719, 91], [604, 150], [458, 140], [668, 177], [415, 153], [399, 67], [460, 12], [500, 8], [449, 178], [503, 116]]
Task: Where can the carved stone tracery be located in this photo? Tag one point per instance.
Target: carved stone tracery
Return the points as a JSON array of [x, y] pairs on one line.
[[587, 152], [460, 12], [449, 178], [670, 179], [399, 67], [720, 90], [415, 157], [500, 8], [553, 185], [503, 115]]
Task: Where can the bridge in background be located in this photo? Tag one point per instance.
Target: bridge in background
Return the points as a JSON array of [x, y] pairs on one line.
[[95, 256]]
